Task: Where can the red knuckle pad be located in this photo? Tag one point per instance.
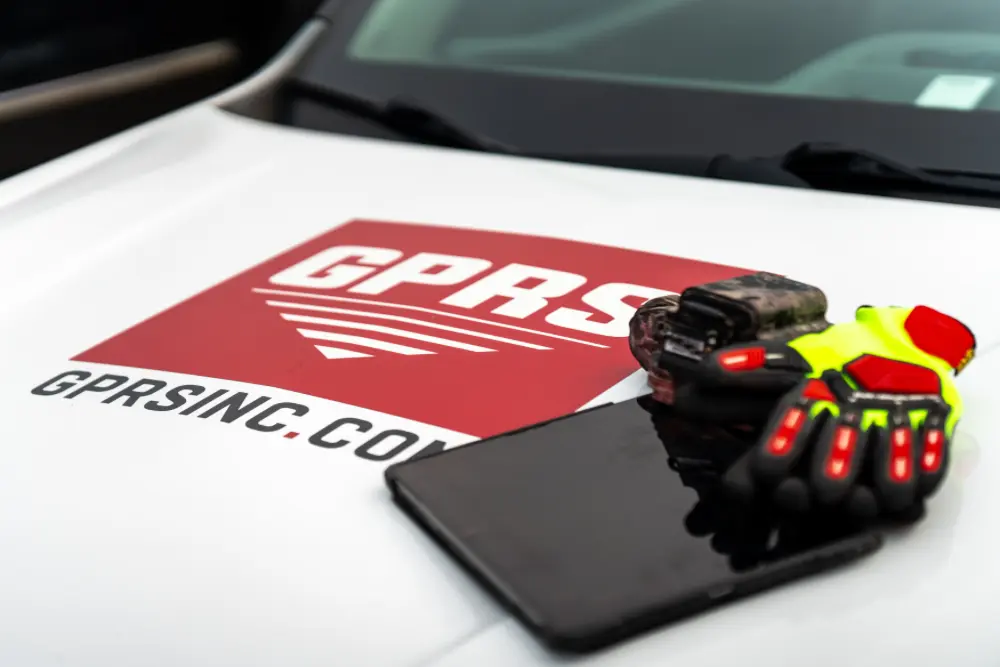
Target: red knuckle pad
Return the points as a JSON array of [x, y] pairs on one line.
[[940, 335], [743, 359], [900, 461], [933, 454], [780, 442], [817, 390], [888, 376], [838, 464]]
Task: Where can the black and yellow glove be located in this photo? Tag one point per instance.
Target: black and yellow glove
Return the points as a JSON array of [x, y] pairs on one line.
[[858, 416]]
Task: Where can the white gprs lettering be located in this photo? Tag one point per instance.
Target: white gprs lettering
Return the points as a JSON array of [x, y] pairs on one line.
[[608, 299], [424, 268], [524, 301], [324, 271], [609, 313]]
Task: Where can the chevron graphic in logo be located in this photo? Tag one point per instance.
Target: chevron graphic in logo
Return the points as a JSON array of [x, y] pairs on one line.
[[346, 328]]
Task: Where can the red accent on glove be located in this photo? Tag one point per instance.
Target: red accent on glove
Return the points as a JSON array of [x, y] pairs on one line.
[[933, 450], [888, 376], [939, 334], [744, 359], [900, 463], [818, 391], [839, 464]]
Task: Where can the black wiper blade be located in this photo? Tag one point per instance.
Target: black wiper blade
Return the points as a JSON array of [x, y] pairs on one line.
[[832, 166], [410, 119], [811, 165]]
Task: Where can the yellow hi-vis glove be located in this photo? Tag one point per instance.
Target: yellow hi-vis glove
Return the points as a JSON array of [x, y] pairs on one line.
[[865, 410]]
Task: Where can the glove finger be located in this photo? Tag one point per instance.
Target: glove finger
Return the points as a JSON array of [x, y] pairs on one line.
[[837, 457], [788, 434], [893, 454], [932, 450], [770, 469], [862, 503], [703, 519], [758, 365], [793, 495]]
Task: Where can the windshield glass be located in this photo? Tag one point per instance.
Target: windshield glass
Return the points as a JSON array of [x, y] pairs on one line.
[[913, 80], [919, 52]]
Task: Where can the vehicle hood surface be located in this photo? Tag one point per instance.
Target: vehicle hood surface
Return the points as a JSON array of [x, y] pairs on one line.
[[148, 532]]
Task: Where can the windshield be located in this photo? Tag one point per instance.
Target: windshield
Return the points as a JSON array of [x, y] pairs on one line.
[[927, 53], [910, 79]]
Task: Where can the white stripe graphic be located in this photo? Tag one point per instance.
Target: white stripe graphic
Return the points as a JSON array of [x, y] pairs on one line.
[[387, 304], [361, 341], [390, 331], [408, 320], [337, 353]]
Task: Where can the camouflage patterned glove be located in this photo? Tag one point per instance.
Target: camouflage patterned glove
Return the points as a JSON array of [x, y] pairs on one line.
[[757, 306]]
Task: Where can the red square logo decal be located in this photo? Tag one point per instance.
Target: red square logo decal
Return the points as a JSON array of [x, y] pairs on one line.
[[474, 331]]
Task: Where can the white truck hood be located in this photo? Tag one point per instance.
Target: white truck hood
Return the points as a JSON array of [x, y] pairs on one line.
[[146, 536]]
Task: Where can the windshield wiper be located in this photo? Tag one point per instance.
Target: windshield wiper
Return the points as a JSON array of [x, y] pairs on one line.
[[813, 165], [831, 166], [408, 118]]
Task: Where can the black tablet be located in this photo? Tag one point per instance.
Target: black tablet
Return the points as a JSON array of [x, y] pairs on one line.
[[608, 522]]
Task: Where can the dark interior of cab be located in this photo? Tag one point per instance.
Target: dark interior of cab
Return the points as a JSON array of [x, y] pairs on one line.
[[74, 71]]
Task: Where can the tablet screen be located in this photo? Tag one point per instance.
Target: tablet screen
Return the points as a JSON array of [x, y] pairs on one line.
[[601, 523]]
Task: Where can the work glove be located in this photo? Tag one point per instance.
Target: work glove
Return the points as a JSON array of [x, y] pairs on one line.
[[857, 417]]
